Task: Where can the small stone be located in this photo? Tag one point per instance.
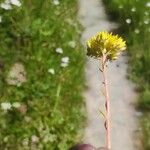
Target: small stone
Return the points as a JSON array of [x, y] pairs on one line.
[[16, 75]]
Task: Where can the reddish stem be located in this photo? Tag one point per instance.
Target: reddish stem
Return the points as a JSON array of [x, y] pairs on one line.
[[108, 130]]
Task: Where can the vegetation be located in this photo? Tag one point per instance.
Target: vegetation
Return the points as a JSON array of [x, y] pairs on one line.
[[134, 17], [46, 111]]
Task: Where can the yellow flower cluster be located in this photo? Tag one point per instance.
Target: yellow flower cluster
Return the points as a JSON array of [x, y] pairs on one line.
[[104, 43]]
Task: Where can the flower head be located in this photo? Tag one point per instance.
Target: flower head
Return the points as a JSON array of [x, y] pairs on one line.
[[133, 9], [6, 106], [51, 71], [6, 6], [56, 2], [104, 43], [128, 21], [59, 50], [15, 2], [64, 62]]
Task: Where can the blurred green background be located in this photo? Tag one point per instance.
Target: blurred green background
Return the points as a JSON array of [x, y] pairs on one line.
[[134, 18], [40, 40]]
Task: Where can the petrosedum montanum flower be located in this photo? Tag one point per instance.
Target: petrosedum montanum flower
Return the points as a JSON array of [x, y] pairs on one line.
[[104, 43]]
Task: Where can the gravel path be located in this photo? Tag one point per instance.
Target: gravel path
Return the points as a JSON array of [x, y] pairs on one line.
[[124, 117]]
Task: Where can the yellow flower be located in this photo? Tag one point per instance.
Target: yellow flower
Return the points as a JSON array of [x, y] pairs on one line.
[[104, 43]]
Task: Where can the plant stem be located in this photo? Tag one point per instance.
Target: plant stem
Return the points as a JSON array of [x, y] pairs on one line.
[[107, 105]]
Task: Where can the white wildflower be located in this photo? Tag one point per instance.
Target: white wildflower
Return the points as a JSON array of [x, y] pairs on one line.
[[146, 21], [64, 65], [6, 6], [51, 71], [133, 9], [148, 4], [16, 104], [15, 2], [35, 139], [59, 50], [137, 31], [56, 2], [72, 44], [128, 20], [65, 60], [6, 106]]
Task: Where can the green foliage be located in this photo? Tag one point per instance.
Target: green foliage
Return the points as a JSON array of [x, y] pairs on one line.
[[137, 36], [51, 112], [134, 17], [146, 130], [144, 101]]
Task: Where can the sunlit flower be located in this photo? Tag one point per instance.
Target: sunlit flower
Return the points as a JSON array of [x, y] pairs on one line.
[[15, 2], [6, 6], [6, 106], [65, 59], [51, 71], [72, 44], [148, 4], [104, 43], [133, 9], [137, 31], [59, 50], [128, 20], [16, 104], [64, 65], [56, 2]]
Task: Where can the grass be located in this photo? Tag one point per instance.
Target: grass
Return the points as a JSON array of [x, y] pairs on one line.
[[54, 106], [133, 15]]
